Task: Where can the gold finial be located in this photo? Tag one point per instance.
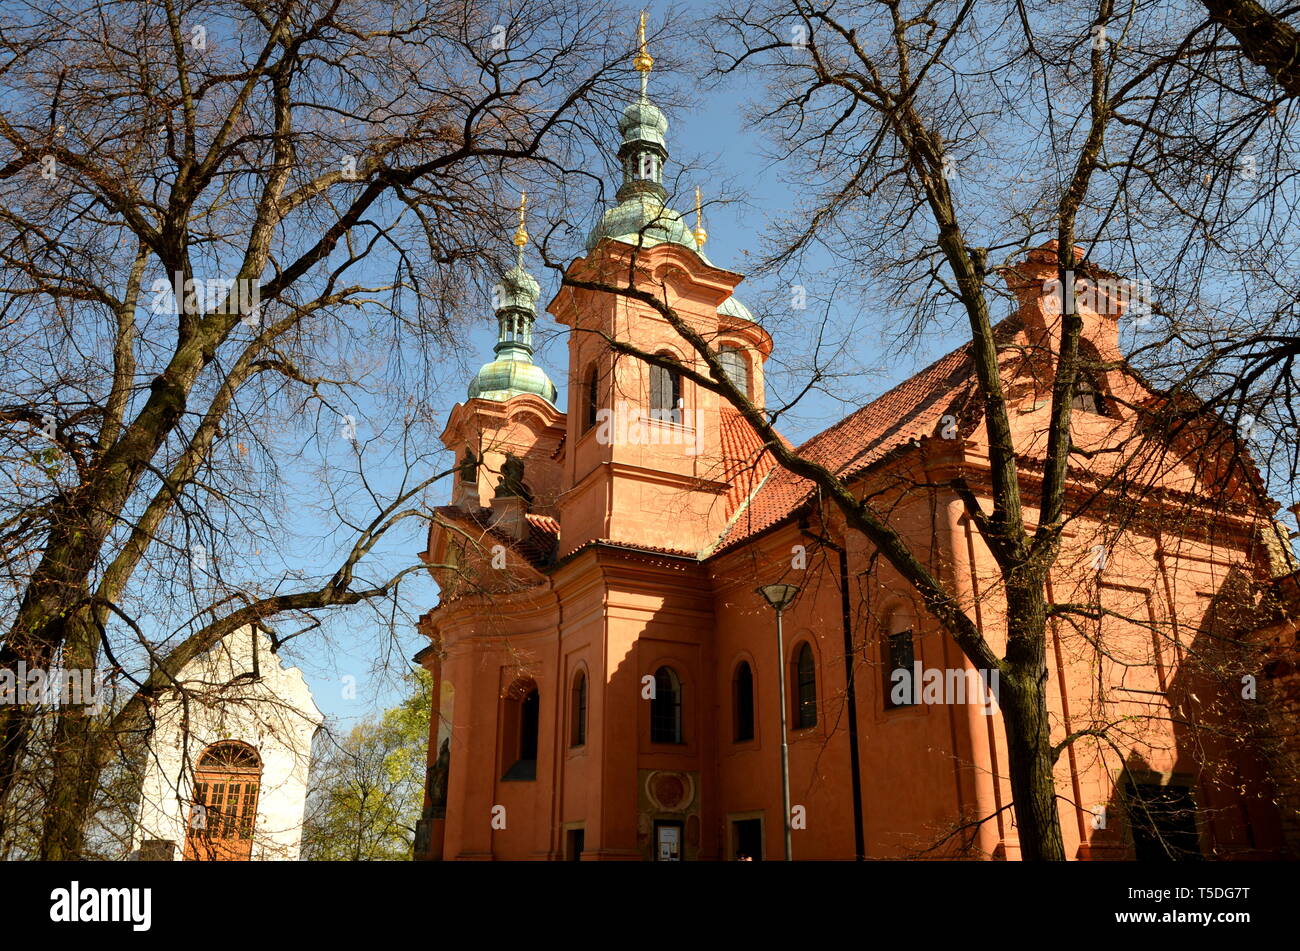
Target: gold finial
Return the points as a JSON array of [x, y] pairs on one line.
[[644, 62], [521, 233], [701, 235]]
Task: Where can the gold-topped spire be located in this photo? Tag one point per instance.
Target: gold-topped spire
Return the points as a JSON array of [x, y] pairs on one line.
[[701, 236], [643, 62], [521, 233]]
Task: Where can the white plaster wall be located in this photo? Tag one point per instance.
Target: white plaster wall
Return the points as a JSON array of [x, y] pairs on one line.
[[275, 714]]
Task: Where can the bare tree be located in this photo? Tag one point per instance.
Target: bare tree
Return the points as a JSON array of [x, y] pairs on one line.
[[935, 145], [1266, 38], [233, 234]]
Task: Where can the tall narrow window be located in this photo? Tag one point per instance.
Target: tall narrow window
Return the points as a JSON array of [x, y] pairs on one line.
[[805, 688], [528, 726], [900, 691], [735, 366], [575, 842], [665, 394], [647, 166], [578, 711], [666, 707], [520, 710], [742, 689], [590, 397], [224, 812]]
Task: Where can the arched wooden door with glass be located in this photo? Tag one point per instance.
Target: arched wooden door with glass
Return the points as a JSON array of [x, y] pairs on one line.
[[223, 814]]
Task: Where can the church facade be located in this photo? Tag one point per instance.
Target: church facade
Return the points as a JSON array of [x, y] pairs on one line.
[[608, 680]]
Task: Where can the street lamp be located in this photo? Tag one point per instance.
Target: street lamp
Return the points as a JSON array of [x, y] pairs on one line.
[[780, 596]]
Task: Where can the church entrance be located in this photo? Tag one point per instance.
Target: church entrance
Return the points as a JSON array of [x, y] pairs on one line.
[[747, 839], [668, 840]]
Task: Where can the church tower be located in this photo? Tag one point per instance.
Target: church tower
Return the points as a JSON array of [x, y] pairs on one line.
[[644, 459], [506, 436]]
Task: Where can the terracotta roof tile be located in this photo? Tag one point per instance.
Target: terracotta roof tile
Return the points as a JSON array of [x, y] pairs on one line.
[[543, 525], [745, 460], [909, 411]]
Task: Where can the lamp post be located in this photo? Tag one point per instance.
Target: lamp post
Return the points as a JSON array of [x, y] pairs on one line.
[[779, 596]]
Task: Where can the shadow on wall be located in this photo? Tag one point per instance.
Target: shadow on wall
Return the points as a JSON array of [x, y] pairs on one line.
[[1218, 800]]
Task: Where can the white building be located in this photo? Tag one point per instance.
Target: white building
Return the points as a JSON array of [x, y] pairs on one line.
[[229, 758]]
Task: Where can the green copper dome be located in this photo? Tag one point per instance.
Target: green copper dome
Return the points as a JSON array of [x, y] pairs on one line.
[[518, 289], [642, 218], [644, 221], [502, 379], [513, 372], [732, 307], [644, 122]]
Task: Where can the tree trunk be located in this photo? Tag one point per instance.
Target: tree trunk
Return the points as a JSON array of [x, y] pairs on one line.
[[69, 800], [1266, 40], [77, 759], [1029, 762], [1023, 701]]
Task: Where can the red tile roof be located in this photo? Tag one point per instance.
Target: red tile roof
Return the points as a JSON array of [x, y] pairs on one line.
[[911, 410], [745, 460], [761, 494]]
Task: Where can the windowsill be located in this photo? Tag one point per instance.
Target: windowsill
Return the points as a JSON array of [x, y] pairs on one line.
[[523, 771], [668, 424], [914, 708]]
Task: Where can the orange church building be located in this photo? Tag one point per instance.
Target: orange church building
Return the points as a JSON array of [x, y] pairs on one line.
[[608, 684]]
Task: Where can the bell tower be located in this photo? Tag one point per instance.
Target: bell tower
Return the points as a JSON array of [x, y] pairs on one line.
[[643, 458], [507, 434]]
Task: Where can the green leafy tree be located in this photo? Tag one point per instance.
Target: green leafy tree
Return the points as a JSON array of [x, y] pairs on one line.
[[368, 787]]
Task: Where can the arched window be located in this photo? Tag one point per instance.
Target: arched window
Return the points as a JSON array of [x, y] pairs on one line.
[[521, 711], [666, 707], [736, 366], [223, 815], [900, 660], [805, 688], [665, 394], [1087, 397], [578, 711], [590, 398], [742, 691]]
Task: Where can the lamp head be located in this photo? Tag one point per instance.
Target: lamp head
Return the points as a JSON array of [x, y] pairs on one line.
[[779, 596]]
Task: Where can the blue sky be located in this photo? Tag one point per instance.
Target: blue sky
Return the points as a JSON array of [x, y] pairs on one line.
[[711, 130], [713, 133]]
